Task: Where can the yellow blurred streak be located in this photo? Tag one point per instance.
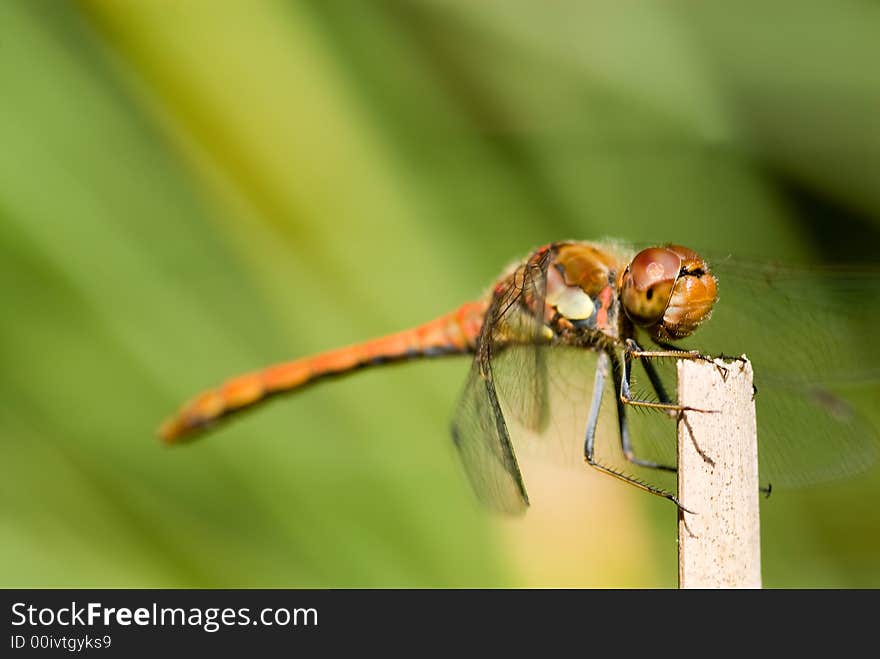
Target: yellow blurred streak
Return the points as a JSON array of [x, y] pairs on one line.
[[585, 529], [254, 86]]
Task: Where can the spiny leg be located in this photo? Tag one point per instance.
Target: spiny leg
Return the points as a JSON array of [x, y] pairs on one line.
[[674, 348], [632, 349], [695, 354], [668, 350], [625, 442], [654, 377], [657, 384], [624, 394], [590, 438]]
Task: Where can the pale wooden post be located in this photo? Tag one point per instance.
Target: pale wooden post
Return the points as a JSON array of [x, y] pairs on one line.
[[719, 546]]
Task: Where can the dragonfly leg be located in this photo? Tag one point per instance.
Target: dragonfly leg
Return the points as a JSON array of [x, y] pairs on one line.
[[668, 350], [590, 439], [694, 354], [625, 442], [656, 382], [624, 394]]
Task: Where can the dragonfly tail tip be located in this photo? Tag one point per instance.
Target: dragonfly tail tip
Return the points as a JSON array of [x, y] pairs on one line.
[[170, 432]]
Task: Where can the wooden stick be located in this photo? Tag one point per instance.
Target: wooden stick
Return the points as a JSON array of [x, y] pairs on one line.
[[719, 545]]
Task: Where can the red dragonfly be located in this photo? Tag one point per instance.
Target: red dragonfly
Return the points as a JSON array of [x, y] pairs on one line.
[[572, 299]]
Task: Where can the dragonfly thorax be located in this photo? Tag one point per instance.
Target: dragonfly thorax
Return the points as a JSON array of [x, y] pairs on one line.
[[581, 293]]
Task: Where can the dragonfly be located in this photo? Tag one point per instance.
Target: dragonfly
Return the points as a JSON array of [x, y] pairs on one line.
[[577, 322]]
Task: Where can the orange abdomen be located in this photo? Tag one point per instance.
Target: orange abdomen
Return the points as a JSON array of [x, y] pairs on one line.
[[453, 333]]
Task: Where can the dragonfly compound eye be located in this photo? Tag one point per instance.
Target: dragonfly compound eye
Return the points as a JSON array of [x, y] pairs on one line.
[[669, 291], [647, 284], [693, 297]]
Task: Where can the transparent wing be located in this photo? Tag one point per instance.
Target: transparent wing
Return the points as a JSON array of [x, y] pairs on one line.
[[497, 457], [567, 392], [653, 433], [805, 325], [511, 333], [513, 338], [809, 334], [571, 374], [480, 434]]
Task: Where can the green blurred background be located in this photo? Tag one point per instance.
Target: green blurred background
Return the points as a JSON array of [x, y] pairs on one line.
[[193, 189]]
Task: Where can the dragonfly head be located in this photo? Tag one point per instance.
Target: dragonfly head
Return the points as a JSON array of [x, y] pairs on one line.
[[669, 291]]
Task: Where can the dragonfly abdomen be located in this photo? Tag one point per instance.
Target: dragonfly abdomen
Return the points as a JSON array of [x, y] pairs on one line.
[[453, 333]]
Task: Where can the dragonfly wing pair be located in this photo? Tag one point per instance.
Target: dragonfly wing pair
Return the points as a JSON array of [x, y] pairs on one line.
[[508, 365], [808, 332]]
